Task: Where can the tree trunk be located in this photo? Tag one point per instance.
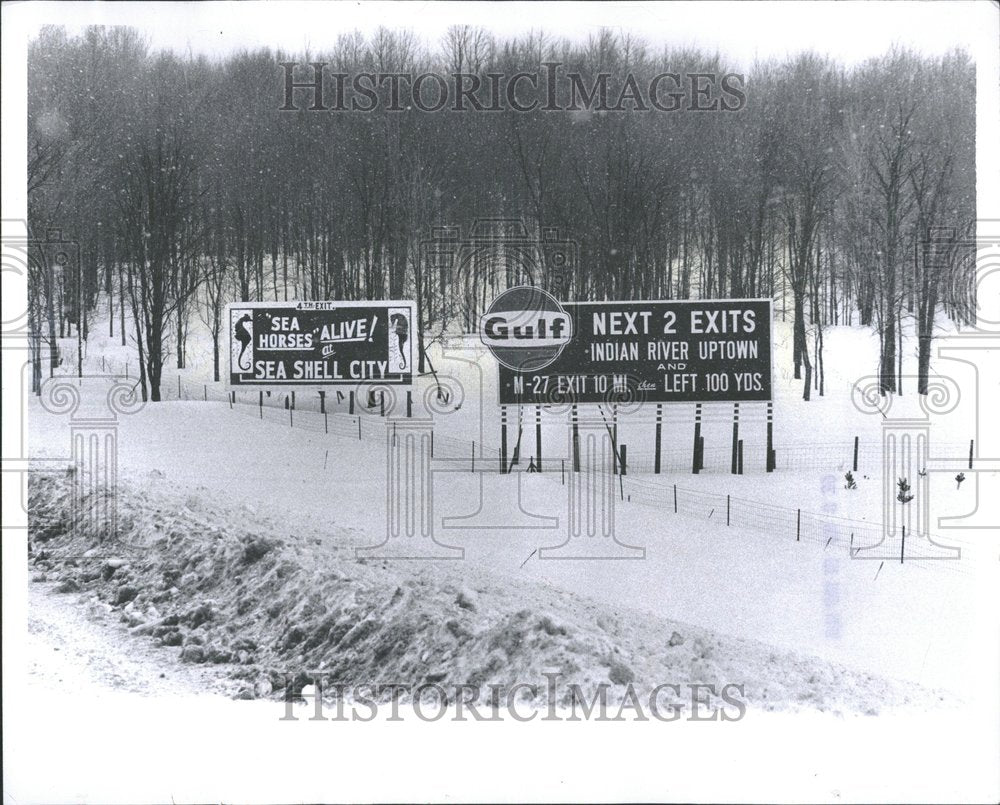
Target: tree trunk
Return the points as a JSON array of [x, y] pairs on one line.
[[807, 385], [799, 331], [215, 352], [887, 381]]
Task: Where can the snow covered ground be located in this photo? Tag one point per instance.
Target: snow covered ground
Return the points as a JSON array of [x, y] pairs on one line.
[[229, 748], [792, 617]]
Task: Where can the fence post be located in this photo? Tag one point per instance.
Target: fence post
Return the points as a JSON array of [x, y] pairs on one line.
[[855, 465], [291, 411], [739, 462], [178, 387], [326, 423], [659, 431], [292, 407], [727, 509], [359, 427], [232, 399], [350, 403], [695, 463], [205, 391], [798, 524], [675, 498], [902, 546], [322, 402], [260, 403]]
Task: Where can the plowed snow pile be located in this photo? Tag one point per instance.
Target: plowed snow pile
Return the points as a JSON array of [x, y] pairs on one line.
[[276, 607]]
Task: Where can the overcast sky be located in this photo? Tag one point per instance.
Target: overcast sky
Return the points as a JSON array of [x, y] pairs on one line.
[[849, 30]]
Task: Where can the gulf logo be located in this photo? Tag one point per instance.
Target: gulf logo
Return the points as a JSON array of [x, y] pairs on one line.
[[525, 328]]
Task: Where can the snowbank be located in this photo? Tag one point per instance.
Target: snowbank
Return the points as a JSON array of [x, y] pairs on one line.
[[278, 610]]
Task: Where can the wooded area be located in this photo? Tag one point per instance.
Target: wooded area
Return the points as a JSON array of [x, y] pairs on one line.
[[186, 187]]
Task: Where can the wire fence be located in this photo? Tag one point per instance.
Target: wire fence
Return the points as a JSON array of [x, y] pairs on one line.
[[860, 456], [863, 539], [331, 414]]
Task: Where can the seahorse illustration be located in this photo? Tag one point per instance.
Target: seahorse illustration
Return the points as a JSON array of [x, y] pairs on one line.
[[244, 336], [401, 327]]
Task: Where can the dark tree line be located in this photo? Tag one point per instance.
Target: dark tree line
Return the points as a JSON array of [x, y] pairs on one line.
[[187, 188]]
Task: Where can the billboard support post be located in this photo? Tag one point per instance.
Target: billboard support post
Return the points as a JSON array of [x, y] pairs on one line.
[[736, 438], [503, 438], [538, 438], [696, 459], [659, 431], [770, 437]]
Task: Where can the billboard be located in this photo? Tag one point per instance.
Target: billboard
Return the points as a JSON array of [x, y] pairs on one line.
[[320, 343], [708, 350]]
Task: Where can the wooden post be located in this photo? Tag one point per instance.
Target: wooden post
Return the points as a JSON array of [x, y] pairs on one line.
[[695, 463], [359, 427], [322, 402], [409, 404], [178, 387], [350, 397], [232, 399], [971, 443], [503, 438], [515, 459], [291, 413], [261, 404], [675, 498], [727, 509], [736, 438], [798, 524], [293, 400], [902, 546], [614, 438], [538, 437], [576, 442], [739, 462], [326, 423], [659, 431], [855, 464], [770, 437]]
